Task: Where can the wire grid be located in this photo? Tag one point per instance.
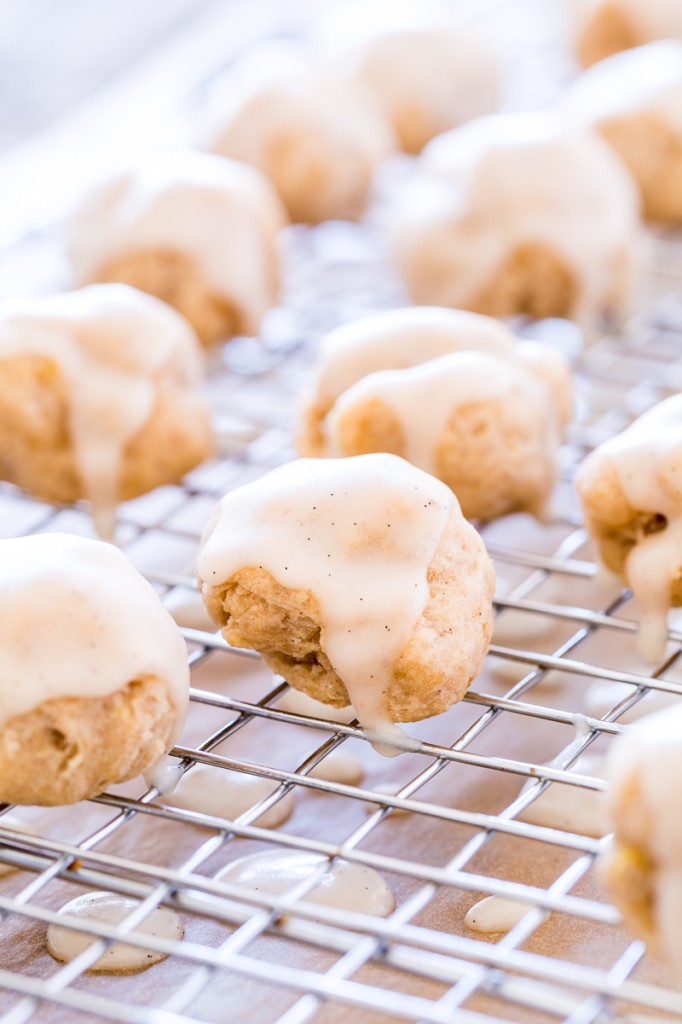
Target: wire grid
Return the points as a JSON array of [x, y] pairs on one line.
[[522, 722], [434, 973]]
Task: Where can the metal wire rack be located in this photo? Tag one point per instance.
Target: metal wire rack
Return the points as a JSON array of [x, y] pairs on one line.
[[468, 787]]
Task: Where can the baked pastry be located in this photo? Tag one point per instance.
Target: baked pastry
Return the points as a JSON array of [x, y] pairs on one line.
[[518, 213], [95, 677], [99, 397], [429, 80], [452, 392], [196, 231], [360, 582], [605, 27], [643, 869], [316, 133], [634, 99], [631, 492]]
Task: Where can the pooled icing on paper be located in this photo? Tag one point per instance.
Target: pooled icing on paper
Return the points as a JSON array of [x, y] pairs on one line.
[[66, 944], [209, 789], [359, 534], [114, 347], [495, 914], [345, 885], [77, 620]]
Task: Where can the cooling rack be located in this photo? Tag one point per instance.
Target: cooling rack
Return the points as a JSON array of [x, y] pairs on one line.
[[468, 789]]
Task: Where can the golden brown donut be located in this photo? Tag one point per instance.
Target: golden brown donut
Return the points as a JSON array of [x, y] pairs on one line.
[[103, 694], [453, 392], [99, 397], [192, 229], [359, 581]]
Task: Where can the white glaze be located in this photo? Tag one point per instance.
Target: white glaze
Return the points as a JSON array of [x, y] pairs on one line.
[[295, 702], [339, 767], [224, 794], [108, 908], [359, 534], [495, 914], [114, 346], [99, 624], [647, 79], [315, 118], [222, 214], [423, 399], [571, 808], [500, 182], [10, 821], [430, 80], [345, 886], [646, 460]]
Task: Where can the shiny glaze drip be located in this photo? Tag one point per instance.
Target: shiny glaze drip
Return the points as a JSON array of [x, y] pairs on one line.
[[224, 794]]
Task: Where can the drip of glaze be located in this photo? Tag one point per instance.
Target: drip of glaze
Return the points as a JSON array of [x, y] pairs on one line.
[[221, 214], [207, 789], [164, 775], [339, 767], [346, 886], [65, 943], [495, 914], [9, 821], [359, 534]]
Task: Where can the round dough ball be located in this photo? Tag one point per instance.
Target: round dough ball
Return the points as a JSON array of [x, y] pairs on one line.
[[358, 579], [192, 229], [634, 100], [95, 676], [454, 393], [518, 214], [100, 397], [316, 133], [429, 80]]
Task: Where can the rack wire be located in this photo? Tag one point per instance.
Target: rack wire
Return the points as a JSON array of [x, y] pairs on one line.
[[467, 787]]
